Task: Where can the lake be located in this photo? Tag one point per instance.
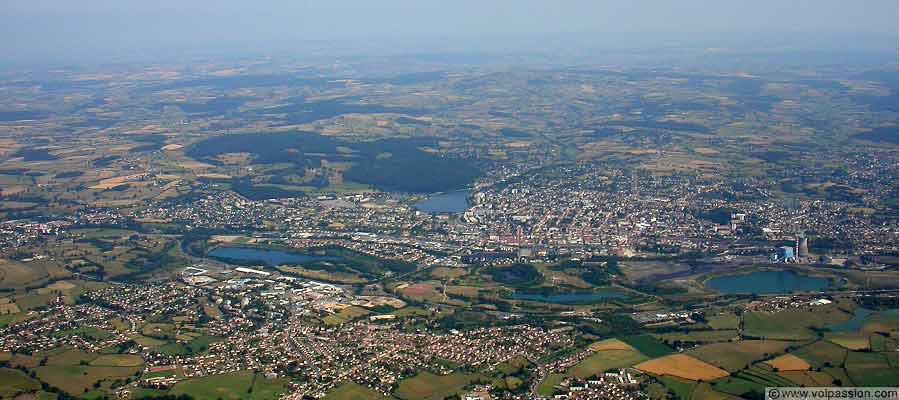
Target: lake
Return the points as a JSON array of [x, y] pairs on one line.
[[449, 202], [569, 298], [860, 317], [767, 282], [269, 257]]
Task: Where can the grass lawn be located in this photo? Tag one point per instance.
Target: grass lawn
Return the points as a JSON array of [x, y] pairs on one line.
[[605, 360], [231, 386], [427, 386], [353, 391], [734, 356]]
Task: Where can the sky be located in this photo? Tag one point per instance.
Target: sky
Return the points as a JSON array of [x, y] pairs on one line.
[[42, 28]]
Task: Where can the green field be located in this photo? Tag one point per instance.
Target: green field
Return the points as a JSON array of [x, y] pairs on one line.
[[546, 387], [724, 321], [6, 319], [704, 391], [231, 386], [648, 345], [754, 379], [13, 382], [353, 391], [69, 357], [870, 369], [822, 352], [793, 324], [738, 355], [681, 388], [346, 315], [605, 360], [77, 378], [699, 336], [427, 386], [198, 345], [87, 332]]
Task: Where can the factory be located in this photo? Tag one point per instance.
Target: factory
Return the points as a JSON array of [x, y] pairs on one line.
[[793, 254]]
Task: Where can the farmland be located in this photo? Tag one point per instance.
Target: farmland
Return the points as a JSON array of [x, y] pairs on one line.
[[682, 366], [738, 355]]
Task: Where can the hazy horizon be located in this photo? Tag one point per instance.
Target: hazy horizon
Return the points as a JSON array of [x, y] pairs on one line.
[[43, 30]]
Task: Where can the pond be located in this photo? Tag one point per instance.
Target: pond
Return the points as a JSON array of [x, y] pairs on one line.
[[449, 202], [767, 282], [260, 255], [569, 298]]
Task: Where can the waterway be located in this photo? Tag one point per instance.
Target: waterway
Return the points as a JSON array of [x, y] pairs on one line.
[[270, 257], [445, 203], [767, 282]]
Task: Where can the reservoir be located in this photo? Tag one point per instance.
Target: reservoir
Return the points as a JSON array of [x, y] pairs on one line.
[[445, 203], [569, 298], [767, 282], [268, 257]]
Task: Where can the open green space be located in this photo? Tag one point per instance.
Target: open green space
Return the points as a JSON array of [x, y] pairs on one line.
[[733, 356], [870, 369], [353, 391], [428, 386], [602, 361], [648, 345], [13, 382], [547, 387], [243, 385]]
